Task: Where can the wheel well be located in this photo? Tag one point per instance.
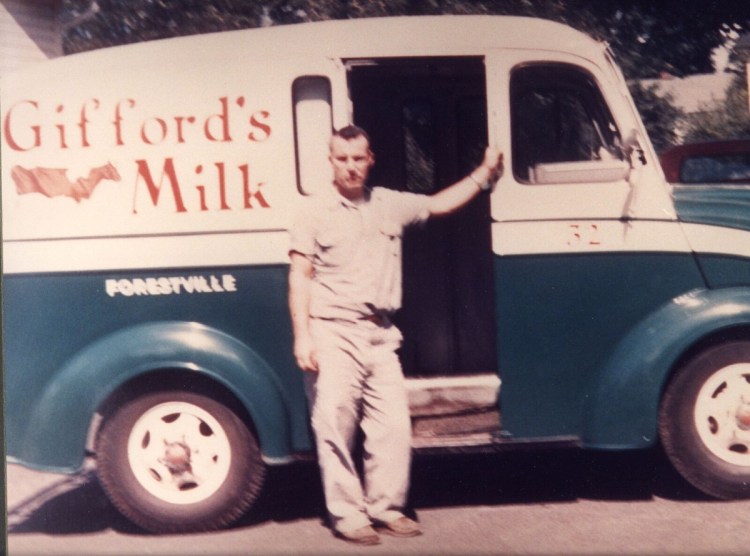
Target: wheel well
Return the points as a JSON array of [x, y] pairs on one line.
[[714, 339], [166, 379]]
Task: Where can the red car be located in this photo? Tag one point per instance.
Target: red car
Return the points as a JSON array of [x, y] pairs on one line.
[[708, 162]]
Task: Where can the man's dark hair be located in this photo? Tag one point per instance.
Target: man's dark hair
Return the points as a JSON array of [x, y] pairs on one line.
[[351, 132]]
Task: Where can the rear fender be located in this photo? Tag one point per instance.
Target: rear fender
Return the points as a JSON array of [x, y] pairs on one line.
[[60, 422], [624, 403]]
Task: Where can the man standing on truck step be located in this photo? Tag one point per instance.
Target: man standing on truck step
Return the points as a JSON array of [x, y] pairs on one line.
[[344, 286]]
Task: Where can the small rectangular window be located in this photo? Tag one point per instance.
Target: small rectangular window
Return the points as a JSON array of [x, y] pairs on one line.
[[311, 96]]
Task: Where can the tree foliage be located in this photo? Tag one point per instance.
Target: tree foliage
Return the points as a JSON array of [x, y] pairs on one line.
[[727, 120], [659, 114], [730, 118], [648, 36]]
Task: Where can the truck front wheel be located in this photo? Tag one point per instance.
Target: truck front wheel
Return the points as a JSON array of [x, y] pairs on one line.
[[705, 421], [176, 461]]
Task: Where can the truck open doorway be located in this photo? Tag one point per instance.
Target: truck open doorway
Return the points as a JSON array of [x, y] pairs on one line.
[[427, 118]]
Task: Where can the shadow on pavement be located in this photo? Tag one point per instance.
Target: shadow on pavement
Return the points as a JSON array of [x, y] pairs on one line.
[[294, 492], [70, 506], [546, 476]]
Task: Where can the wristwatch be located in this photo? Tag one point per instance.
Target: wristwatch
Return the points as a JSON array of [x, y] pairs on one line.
[[483, 186]]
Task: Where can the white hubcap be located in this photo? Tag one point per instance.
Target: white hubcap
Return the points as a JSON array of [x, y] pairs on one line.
[[179, 452], [722, 414]]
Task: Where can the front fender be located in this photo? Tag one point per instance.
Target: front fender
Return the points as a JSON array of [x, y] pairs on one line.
[[59, 423], [624, 403]]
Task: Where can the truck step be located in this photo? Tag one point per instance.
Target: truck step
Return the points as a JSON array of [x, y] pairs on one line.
[[452, 395]]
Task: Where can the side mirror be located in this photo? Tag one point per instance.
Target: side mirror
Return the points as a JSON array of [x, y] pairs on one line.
[[632, 148]]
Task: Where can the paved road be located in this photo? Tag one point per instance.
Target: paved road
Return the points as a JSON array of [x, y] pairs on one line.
[[514, 503]]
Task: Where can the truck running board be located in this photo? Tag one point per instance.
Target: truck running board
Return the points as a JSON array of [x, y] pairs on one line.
[[486, 443]]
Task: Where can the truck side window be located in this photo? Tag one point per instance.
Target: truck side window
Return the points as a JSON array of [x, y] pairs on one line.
[[311, 98], [558, 115]]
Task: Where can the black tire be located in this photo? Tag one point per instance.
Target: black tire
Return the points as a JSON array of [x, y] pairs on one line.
[[215, 473], [704, 423]]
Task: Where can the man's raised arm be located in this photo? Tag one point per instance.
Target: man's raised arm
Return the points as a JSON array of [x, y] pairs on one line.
[[457, 195]]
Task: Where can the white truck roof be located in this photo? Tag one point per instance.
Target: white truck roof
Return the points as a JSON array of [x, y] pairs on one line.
[[355, 38]]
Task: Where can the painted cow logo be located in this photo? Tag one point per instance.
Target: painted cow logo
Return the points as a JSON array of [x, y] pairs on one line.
[[54, 182]]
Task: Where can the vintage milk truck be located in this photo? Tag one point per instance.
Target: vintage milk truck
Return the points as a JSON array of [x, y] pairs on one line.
[[147, 191]]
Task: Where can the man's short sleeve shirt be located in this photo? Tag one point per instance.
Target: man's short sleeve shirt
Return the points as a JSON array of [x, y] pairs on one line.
[[355, 249]]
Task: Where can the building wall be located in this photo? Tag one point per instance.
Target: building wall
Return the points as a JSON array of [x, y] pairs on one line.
[[694, 93], [29, 33]]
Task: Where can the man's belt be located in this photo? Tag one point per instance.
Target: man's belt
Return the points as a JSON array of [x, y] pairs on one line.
[[381, 319]]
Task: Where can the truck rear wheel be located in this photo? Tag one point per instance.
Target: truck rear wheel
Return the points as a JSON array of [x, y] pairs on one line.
[[175, 462], [705, 421]]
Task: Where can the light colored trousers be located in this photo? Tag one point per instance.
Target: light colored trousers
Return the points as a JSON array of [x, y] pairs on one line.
[[360, 384]]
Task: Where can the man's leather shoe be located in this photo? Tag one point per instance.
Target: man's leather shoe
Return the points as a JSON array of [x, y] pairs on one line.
[[364, 535], [401, 527]]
